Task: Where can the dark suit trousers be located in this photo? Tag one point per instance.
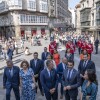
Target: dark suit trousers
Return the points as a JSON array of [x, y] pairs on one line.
[[39, 84], [96, 48], [79, 50], [68, 97], [16, 92], [61, 89], [51, 96]]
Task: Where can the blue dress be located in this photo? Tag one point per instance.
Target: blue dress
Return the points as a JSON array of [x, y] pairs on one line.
[[27, 92], [90, 91]]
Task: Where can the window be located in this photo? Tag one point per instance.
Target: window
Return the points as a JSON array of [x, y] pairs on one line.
[[33, 19], [32, 4]]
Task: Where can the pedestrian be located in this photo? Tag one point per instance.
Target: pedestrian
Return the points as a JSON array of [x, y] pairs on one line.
[[10, 52], [37, 66], [83, 45], [49, 82], [16, 47], [4, 53], [96, 45], [49, 57], [56, 57], [11, 80], [44, 54], [22, 44], [84, 65], [60, 68], [27, 82], [89, 48], [79, 44], [82, 55], [90, 85], [52, 47], [27, 52], [71, 81], [68, 55]]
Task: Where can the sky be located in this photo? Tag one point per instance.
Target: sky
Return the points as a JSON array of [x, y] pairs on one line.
[[73, 3]]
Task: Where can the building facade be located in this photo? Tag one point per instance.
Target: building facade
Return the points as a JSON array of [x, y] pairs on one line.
[[77, 19], [63, 15], [87, 15], [31, 17], [98, 18]]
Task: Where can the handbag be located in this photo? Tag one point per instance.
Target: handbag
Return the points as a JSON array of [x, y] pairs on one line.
[[33, 86]]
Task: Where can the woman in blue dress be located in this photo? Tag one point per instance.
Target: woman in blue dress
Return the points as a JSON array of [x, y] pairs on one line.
[[27, 82], [90, 85]]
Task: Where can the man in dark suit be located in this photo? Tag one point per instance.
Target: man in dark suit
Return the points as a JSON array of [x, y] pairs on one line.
[[44, 54], [11, 80], [96, 43], [84, 65], [10, 53], [49, 82], [37, 66], [71, 81], [60, 68]]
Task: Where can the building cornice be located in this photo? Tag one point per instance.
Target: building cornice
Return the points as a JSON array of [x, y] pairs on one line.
[[97, 1], [82, 1], [85, 8]]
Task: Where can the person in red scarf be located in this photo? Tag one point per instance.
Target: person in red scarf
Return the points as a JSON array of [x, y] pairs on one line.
[[83, 46], [52, 47], [70, 45], [79, 44], [89, 48]]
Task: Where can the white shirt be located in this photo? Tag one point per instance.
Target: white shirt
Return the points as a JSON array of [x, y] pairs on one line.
[[48, 71], [35, 61], [85, 63], [64, 67], [70, 73]]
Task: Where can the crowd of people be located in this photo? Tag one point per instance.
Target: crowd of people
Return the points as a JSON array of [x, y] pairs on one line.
[[52, 70]]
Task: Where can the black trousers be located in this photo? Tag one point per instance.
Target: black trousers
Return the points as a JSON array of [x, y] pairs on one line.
[[96, 49], [16, 92], [51, 96], [79, 50], [68, 97], [39, 84]]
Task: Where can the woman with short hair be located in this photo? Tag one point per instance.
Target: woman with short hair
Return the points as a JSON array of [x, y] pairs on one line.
[[27, 82]]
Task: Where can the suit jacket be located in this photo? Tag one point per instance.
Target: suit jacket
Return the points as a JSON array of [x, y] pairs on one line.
[[82, 69], [9, 81], [38, 68], [74, 82], [43, 57], [60, 70], [9, 52], [47, 81]]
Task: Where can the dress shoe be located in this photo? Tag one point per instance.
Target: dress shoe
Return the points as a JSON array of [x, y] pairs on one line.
[[61, 97], [42, 93]]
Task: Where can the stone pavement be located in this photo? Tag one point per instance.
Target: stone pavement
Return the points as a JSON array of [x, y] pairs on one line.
[[18, 58]]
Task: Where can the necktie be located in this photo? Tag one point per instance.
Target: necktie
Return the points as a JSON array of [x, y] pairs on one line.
[[84, 64], [11, 72], [35, 63], [68, 77]]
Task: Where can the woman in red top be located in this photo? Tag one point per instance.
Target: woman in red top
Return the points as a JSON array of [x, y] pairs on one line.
[[56, 57]]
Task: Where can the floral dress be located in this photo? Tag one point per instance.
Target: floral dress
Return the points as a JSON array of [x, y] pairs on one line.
[[90, 91], [27, 92]]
